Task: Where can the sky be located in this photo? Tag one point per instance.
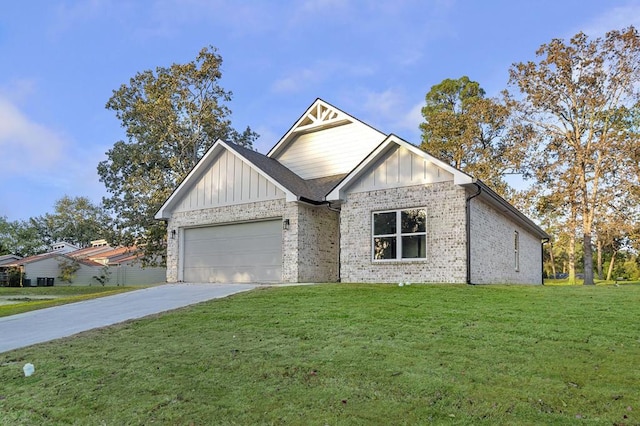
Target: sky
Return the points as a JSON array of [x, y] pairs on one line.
[[61, 60]]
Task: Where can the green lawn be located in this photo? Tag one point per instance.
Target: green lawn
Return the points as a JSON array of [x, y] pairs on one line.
[[16, 300], [348, 355]]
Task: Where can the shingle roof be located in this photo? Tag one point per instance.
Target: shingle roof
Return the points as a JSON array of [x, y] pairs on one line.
[[313, 190]]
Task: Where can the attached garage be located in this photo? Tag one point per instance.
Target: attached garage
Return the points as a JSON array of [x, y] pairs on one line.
[[242, 252]]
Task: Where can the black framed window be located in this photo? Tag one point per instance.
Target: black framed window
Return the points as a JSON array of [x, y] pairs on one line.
[[399, 234]]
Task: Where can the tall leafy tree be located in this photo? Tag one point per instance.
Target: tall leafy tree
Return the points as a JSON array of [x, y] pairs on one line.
[[21, 238], [171, 116], [468, 130], [75, 220], [579, 98]]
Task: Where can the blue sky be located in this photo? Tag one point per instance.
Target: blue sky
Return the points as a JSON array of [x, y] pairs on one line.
[[376, 60]]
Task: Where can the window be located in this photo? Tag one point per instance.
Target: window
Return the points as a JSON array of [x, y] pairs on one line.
[[400, 235], [516, 250]]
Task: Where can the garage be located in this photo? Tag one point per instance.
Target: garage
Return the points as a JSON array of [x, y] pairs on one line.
[[243, 252]]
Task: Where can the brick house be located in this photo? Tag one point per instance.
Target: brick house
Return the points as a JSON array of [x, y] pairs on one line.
[[336, 200]]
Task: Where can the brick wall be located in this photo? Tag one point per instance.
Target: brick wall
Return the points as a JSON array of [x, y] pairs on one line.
[[492, 249], [309, 247], [318, 244], [446, 249]]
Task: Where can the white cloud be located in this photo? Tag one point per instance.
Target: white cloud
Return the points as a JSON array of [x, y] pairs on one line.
[[615, 19], [298, 79], [383, 103], [27, 146]]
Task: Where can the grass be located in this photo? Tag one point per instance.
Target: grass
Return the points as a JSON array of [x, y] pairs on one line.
[[347, 355], [26, 299]]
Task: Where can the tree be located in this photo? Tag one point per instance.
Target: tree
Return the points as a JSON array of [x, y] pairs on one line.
[[579, 99], [21, 238], [75, 220], [68, 268], [171, 117], [467, 130]]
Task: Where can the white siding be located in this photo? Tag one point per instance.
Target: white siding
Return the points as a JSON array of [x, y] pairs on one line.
[[228, 181], [330, 151], [49, 268], [400, 168]]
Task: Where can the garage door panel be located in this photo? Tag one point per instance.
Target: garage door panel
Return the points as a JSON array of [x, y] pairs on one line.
[[246, 252]]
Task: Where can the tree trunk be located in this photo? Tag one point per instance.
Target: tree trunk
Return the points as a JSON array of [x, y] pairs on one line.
[[572, 257], [588, 260], [599, 259], [553, 262], [613, 259]]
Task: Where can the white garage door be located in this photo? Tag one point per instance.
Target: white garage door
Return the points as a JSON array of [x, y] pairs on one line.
[[244, 252]]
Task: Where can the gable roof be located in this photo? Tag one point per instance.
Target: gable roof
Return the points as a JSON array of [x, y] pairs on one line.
[[8, 258], [45, 256], [459, 178], [389, 144], [294, 187], [320, 115]]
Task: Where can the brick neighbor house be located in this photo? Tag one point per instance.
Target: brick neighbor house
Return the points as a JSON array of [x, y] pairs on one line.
[[337, 200]]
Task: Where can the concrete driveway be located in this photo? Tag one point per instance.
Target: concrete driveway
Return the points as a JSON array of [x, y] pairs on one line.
[[18, 331]]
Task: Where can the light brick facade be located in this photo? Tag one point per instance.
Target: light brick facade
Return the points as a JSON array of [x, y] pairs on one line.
[[493, 256], [331, 157], [446, 258], [309, 246]]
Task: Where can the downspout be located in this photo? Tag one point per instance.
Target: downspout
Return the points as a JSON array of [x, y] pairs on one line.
[[337, 210], [468, 230], [543, 242]]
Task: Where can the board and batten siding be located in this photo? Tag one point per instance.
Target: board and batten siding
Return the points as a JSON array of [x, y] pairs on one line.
[[228, 181], [400, 168], [330, 151]]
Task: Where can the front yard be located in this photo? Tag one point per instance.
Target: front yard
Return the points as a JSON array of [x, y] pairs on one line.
[[347, 354], [16, 300]]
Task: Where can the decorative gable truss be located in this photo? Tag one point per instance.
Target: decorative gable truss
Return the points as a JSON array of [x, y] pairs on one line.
[[325, 141], [320, 116]]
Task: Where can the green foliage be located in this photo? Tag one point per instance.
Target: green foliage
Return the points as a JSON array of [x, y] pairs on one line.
[[34, 298], [105, 275], [579, 101], [21, 238], [75, 220], [171, 118], [68, 268], [347, 354], [15, 277], [468, 130]]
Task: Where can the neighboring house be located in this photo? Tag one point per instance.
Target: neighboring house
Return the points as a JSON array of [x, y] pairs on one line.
[[44, 269], [119, 266], [336, 200], [5, 262], [8, 259]]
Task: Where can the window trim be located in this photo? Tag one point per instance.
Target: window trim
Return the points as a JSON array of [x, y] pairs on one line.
[[398, 236]]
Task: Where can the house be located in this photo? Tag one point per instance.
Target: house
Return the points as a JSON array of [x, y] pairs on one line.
[[119, 266], [5, 269], [337, 200], [44, 269]]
